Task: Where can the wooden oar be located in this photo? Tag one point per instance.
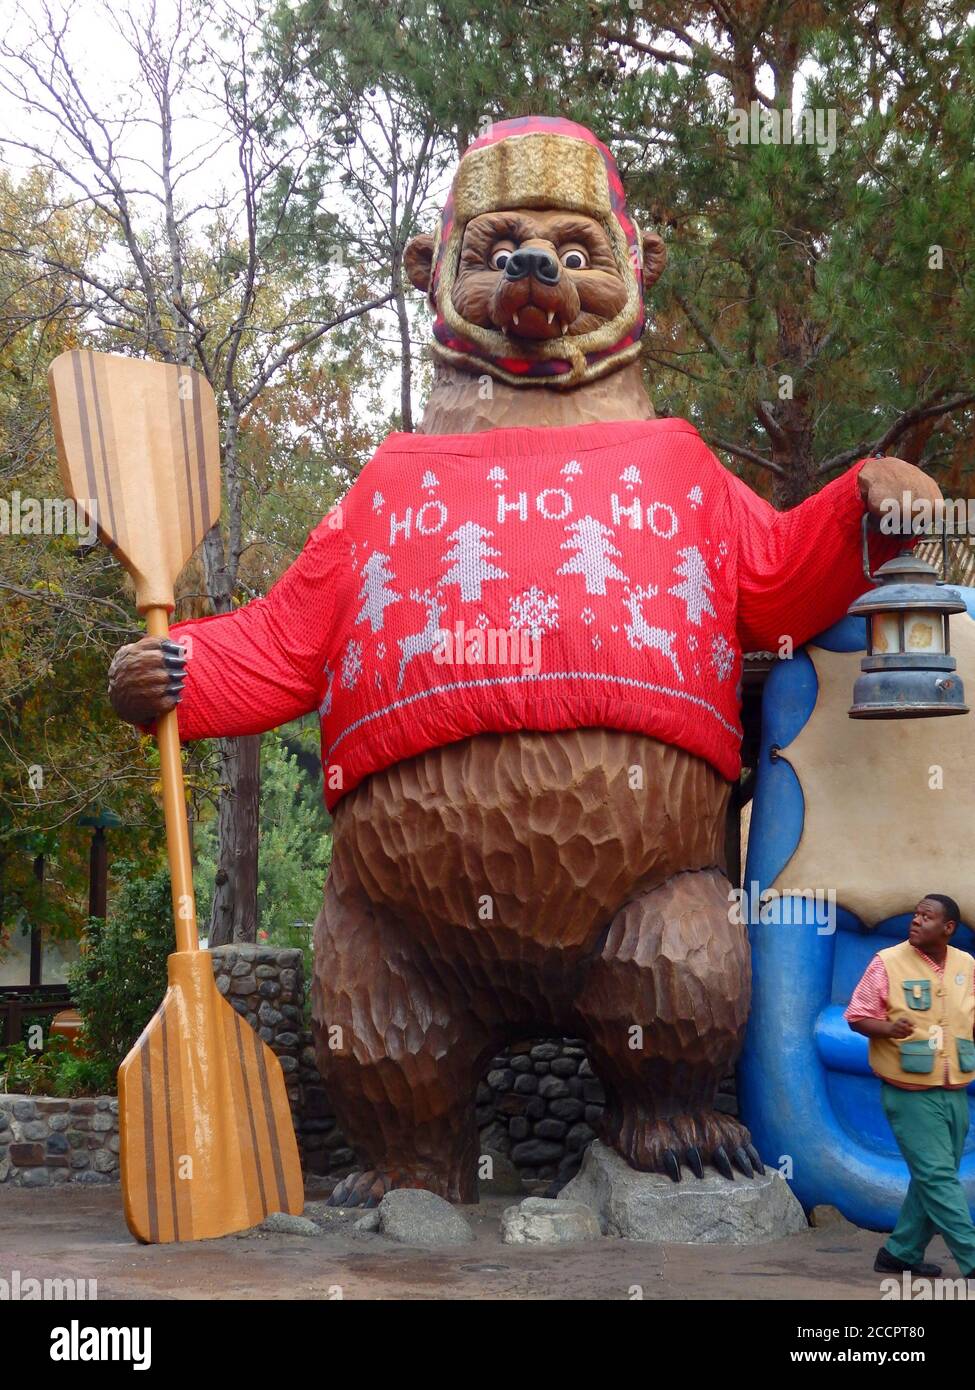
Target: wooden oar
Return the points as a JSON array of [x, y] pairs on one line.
[[207, 1142]]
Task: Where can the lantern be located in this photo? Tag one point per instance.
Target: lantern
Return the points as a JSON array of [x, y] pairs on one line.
[[908, 671]]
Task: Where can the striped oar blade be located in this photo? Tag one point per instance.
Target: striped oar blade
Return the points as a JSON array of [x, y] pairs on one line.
[[138, 443], [206, 1140], [207, 1144]]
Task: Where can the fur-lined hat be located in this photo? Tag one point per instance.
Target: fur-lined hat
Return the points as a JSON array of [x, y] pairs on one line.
[[537, 162]]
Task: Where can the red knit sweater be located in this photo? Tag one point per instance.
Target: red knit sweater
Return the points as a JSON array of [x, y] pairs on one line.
[[604, 576]]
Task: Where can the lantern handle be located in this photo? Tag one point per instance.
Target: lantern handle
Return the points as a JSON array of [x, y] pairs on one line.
[[869, 523]]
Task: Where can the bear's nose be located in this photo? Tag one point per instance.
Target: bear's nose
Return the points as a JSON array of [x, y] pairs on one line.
[[531, 262]]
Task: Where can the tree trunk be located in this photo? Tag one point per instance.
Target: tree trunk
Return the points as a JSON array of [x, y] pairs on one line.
[[405, 361], [234, 915]]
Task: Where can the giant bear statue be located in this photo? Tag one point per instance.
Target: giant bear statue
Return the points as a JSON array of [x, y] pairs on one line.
[[522, 631]]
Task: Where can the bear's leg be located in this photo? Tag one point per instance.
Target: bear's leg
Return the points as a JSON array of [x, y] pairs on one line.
[[664, 1006], [400, 1053]]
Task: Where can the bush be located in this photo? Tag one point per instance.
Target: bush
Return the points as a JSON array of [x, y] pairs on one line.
[[54, 1072], [120, 978]]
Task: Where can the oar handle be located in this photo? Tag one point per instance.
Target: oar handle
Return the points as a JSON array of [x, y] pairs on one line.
[[174, 809]]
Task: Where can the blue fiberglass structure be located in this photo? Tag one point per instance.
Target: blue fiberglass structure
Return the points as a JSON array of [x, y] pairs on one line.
[[805, 1089]]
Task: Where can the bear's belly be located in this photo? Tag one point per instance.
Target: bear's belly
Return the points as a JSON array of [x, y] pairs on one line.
[[535, 837]]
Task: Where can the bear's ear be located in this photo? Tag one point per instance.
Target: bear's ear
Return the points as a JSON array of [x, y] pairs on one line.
[[418, 259], [654, 258]]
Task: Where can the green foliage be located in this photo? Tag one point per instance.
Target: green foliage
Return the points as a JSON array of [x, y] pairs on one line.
[[295, 842], [120, 979], [800, 318], [55, 1071], [295, 848]]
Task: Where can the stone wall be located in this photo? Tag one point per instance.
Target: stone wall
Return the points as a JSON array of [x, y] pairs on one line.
[[540, 1103], [266, 985], [45, 1141]]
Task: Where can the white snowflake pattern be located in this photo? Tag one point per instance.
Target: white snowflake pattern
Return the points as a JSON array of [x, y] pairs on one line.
[[351, 665], [631, 476], [722, 657], [572, 469], [379, 678], [482, 621], [692, 642], [588, 616], [534, 612], [429, 481], [497, 476], [597, 642], [695, 497], [378, 501], [381, 651]]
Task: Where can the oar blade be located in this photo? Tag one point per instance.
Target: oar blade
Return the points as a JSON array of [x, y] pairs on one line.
[[138, 443], [207, 1145]]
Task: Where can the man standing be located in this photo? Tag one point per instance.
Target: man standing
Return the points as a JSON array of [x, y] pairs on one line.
[[916, 1004]]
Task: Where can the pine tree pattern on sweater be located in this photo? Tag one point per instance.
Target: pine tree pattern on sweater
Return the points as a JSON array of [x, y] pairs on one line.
[[597, 576]]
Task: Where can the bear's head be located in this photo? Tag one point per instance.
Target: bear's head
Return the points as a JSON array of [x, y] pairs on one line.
[[536, 272]]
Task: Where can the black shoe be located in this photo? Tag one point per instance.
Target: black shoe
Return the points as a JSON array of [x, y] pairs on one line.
[[886, 1263]]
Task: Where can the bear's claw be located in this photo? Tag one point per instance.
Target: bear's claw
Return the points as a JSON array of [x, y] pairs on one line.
[[661, 1145], [723, 1163], [757, 1163], [361, 1189]]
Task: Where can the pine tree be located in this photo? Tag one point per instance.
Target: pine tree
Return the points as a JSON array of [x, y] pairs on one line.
[[375, 593], [593, 544], [818, 302], [471, 567], [696, 585]]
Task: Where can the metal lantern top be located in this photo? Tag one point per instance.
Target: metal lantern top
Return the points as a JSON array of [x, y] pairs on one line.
[[907, 582]]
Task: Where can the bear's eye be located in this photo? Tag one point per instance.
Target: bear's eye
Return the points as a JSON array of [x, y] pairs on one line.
[[500, 257], [574, 259]]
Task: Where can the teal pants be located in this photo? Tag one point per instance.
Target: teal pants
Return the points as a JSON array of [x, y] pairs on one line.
[[930, 1128]]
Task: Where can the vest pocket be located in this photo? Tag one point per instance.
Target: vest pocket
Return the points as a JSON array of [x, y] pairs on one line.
[[917, 1056], [917, 994], [966, 1054]]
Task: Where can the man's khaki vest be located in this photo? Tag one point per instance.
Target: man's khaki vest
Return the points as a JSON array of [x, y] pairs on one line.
[[941, 1010]]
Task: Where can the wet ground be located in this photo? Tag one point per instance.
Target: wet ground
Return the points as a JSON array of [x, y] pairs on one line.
[[81, 1234]]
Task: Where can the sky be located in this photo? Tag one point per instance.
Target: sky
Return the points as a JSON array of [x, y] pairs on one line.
[[108, 73]]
